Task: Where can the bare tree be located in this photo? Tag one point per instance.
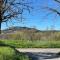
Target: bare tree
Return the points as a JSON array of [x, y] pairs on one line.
[[10, 9], [53, 10]]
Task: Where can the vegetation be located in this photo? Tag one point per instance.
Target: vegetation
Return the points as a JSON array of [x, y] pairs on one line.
[[33, 44], [7, 53], [11, 10], [26, 38], [30, 34]]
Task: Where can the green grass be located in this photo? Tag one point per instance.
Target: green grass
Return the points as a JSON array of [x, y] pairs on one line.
[[33, 44], [7, 53]]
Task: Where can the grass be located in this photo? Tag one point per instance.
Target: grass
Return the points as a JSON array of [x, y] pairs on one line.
[[7, 53], [33, 44]]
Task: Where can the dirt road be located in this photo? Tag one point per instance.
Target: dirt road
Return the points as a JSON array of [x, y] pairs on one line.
[[41, 54]]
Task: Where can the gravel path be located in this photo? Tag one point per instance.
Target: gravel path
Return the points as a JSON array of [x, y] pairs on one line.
[[41, 54], [52, 50]]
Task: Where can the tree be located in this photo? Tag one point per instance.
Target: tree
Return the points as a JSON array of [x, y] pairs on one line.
[[54, 10], [10, 9]]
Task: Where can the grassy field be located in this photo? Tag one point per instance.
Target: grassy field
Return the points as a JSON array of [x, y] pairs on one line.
[[33, 44], [7, 53]]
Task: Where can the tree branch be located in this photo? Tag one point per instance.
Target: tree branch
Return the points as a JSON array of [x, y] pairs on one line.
[[53, 10], [57, 1], [10, 16]]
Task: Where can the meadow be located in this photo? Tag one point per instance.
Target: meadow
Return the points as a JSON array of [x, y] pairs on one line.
[[32, 44]]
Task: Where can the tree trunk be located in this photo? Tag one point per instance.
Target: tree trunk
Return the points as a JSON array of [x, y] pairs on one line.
[[0, 27], [0, 21], [1, 4]]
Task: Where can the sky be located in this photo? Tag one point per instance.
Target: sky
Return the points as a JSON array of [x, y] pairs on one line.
[[39, 18]]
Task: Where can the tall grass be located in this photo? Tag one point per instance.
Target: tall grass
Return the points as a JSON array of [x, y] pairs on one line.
[[7, 53], [31, 35], [33, 44]]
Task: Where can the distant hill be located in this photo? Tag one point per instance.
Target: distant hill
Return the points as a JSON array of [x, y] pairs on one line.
[[26, 33], [16, 29]]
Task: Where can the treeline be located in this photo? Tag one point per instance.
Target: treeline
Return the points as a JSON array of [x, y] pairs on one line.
[[32, 35]]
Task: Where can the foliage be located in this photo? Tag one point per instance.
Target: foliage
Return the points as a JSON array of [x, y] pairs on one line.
[[7, 53]]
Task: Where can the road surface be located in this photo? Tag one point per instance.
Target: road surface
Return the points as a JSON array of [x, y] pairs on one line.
[[41, 54]]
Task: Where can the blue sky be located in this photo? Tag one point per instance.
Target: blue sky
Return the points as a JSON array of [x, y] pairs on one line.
[[38, 17]]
